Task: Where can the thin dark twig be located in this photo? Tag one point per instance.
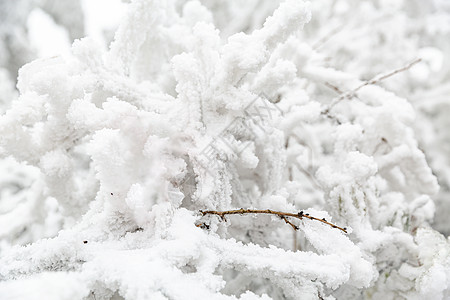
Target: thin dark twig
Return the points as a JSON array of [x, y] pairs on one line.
[[283, 215], [288, 222]]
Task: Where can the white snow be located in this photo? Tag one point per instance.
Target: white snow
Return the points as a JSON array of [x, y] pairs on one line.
[[110, 154]]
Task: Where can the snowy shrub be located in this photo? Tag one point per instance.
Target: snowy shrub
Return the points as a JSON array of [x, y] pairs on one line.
[[16, 47], [131, 148]]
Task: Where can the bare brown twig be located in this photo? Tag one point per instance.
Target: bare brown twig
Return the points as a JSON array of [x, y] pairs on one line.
[[290, 223], [283, 215]]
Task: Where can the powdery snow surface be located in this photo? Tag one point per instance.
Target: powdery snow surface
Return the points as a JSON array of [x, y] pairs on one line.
[[110, 156]]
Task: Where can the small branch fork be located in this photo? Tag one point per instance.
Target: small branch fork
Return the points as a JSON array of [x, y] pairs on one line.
[[283, 215], [374, 80], [382, 77]]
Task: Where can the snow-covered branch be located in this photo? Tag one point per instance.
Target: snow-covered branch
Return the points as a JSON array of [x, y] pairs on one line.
[[117, 160]]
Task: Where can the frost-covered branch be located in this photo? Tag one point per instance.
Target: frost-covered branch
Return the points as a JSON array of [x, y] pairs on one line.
[[374, 80]]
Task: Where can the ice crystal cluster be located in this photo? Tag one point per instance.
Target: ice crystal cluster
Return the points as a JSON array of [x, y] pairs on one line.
[[220, 105]]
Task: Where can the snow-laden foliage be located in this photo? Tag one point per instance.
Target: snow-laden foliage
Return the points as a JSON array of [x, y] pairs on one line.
[[367, 38], [21, 185], [15, 46], [129, 144]]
